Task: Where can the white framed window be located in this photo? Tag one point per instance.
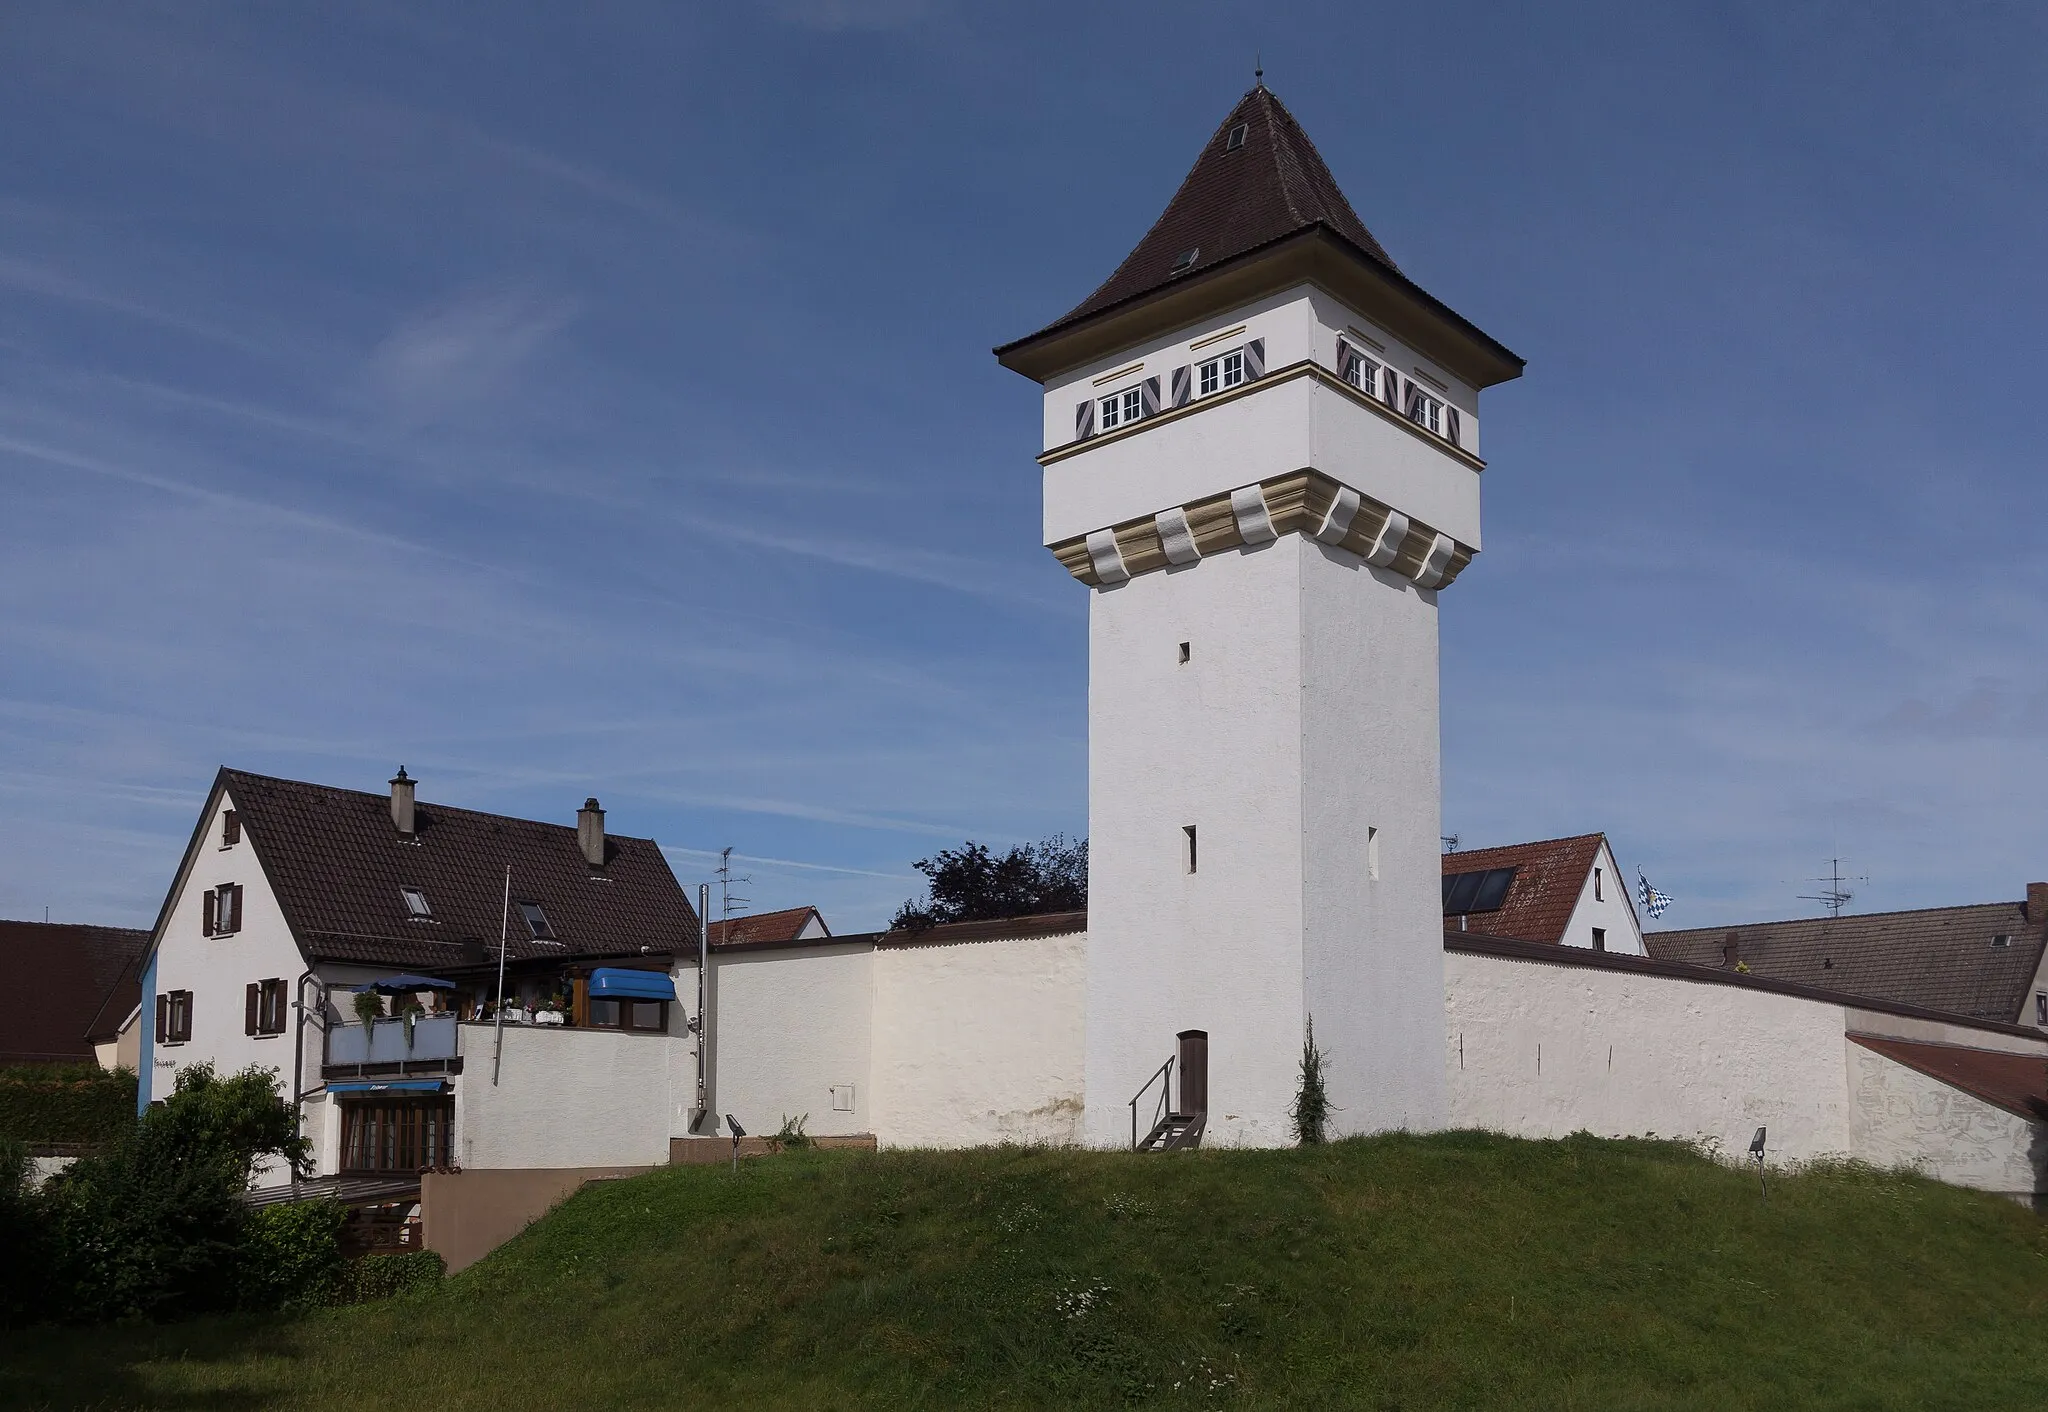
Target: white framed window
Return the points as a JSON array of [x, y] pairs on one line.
[[1122, 408], [1361, 371], [1425, 411], [1221, 373]]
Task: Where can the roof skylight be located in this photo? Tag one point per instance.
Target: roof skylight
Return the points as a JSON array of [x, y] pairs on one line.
[[1236, 138], [536, 921], [1187, 260], [415, 902]]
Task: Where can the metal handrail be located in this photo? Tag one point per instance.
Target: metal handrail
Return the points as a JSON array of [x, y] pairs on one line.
[[1163, 1076]]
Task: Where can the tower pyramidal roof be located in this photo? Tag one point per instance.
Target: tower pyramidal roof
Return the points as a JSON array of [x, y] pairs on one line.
[[1271, 184], [1259, 205]]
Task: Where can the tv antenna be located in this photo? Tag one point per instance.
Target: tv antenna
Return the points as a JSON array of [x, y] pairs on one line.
[[1833, 896], [727, 903]]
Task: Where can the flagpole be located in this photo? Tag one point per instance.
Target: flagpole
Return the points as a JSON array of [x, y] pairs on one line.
[[504, 926]]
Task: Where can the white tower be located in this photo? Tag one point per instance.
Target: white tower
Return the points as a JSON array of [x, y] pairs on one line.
[[1262, 458]]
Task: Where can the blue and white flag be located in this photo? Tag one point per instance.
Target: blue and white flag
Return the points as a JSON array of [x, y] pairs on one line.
[[1654, 902]]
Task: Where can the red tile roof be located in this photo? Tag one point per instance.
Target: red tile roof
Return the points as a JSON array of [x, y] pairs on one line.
[[1550, 876], [62, 982], [758, 928], [2017, 1083], [1938, 957]]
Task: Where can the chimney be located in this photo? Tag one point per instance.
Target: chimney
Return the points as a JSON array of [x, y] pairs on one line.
[[590, 832], [1731, 948], [401, 802], [2037, 905]]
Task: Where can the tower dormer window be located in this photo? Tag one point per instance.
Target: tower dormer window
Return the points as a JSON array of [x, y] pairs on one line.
[[1360, 371], [1235, 138], [1122, 408], [1424, 410]]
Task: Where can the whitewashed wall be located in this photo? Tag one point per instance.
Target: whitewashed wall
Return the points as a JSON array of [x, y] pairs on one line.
[[1541, 1050], [1605, 904], [218, 969], [980, 1042], [1899, 1117], [564, 1098], [788, 1026]]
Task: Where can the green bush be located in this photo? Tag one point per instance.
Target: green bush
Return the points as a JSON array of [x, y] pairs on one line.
[[291, 1256], [382, 1276], [75, 1103]]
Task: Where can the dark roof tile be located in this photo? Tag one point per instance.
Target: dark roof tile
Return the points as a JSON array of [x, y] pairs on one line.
[[64, 984], [1550, 876]]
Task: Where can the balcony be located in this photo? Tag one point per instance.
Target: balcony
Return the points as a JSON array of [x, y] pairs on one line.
[[382, 1049]]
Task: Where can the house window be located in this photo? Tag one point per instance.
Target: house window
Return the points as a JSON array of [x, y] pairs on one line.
[[174, 1017], [264, 1007], [416, 904], [1222, 373], [642, 1016], [536, 921], [842, 1098], [1361, 372], [1122, 408], [223, 910], [396, 1134], [1188, 855], [2041, 1008], [1597, 897], [230, 829], [1599, 938]]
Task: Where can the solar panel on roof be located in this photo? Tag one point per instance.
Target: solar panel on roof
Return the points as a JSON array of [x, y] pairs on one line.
[[1481, 891]]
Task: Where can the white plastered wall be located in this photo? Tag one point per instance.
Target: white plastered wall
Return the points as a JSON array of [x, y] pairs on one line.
[[1541, 1050], [980, 1042], [1214, 742], [564, 1097], [1370, 802], [1604, 903], [1899, 1117], [218, 969], [788, 1026]]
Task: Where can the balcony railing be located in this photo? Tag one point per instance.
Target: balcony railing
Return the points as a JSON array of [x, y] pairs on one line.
[[385, 1042]]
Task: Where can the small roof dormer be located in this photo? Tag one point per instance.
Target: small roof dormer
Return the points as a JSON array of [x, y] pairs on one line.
[[1259, 210]]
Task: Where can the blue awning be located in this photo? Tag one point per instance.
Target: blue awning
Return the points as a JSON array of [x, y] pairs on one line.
[[617, 983], [384, 1085]]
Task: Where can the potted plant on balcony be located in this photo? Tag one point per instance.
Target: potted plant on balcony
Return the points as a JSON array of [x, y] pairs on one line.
[[369, 1007], [551, 1012], [410, 1011]]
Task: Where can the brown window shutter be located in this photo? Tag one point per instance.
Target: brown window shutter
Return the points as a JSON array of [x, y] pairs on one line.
[[230, 828], [235, 894], [212, 922], [252, 1001], [163, 1006]]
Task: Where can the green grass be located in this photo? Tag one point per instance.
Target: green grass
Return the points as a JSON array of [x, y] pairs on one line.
[[1450, 1271]]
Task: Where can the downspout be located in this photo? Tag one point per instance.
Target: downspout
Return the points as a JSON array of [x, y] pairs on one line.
[[703, 989], [145, 1038], [504, 926], [299, 1057]]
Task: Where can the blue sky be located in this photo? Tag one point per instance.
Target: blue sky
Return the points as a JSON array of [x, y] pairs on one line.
[[597, 399]]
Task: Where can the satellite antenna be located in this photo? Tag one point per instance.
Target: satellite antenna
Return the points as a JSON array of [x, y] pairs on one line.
[[1833, 896], [1450, 842]]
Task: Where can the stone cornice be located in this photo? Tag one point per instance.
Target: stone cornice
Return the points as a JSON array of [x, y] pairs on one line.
[[1307, 368], [1303, 502]]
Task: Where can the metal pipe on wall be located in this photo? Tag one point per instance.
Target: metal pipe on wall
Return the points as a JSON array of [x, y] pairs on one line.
[[504, 928]]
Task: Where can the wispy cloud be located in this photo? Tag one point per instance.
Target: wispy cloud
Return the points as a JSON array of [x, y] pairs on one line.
[[464, 350]]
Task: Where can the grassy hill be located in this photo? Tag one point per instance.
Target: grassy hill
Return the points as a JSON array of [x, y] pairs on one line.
[[1450, 1271]]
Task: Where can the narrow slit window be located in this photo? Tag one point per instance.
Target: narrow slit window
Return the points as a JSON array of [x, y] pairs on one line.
[[1189, 857], [1186, 653], [1372, 853], [2041, 1008], [1598, 896], [1599, 938], [416, 903]]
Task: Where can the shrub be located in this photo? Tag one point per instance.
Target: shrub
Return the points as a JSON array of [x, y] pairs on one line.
[[383, 1276], [291, 1256], [71, 1103], [1311, 1098]]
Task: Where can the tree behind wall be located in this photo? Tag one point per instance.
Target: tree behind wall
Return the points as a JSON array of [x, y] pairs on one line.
[[974, 884]]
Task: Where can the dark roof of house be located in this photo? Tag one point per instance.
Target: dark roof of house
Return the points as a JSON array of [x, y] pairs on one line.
[[337, 863], [2017, 1083], [1550, 875], [62, 983], [1481, 944], [1941, 958], [1273, 185], [766, 928]]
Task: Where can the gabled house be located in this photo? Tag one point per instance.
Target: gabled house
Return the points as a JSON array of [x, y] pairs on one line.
[[1986, 961], [295, 900], [1561, 891], [62, 981], [792, 924]]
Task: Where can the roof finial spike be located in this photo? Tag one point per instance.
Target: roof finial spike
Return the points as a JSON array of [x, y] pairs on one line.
[[1258, 69]]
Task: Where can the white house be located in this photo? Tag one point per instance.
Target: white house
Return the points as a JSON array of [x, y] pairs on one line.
[[1563, 890]]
